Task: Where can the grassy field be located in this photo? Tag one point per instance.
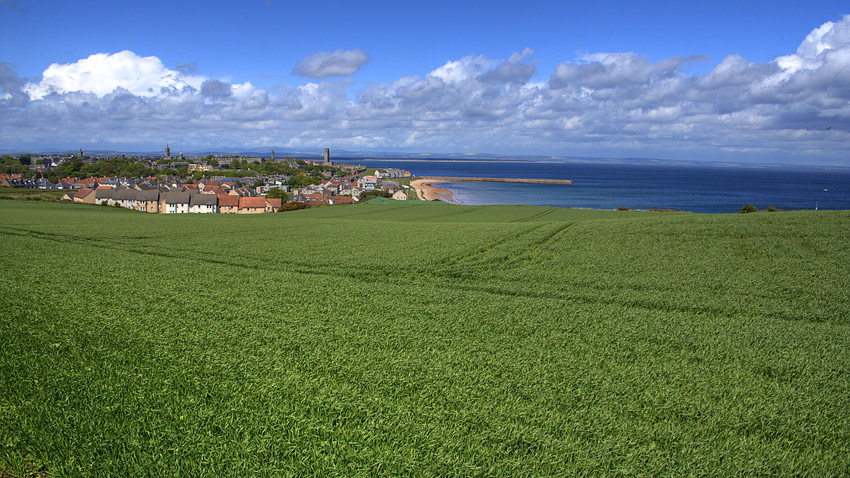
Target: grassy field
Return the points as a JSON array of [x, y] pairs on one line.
[[33, 194], [423, 339]]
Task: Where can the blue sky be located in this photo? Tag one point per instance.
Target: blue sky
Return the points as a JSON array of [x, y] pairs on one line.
[[731, 81]]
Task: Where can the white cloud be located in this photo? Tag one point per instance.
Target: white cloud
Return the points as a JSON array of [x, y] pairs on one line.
[[468, 67], [326, 64], [102, 73]]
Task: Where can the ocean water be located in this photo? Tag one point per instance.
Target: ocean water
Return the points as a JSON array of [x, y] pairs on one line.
[[610, 186]]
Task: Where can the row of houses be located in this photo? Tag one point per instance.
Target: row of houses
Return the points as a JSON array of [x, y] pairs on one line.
[[175, 202]]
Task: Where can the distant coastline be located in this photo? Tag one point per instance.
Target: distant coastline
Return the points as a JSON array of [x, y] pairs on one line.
[[426, 190]]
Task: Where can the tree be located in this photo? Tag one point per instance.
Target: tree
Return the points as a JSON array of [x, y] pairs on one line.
[[301, 181], [277, 193], [748, 208]]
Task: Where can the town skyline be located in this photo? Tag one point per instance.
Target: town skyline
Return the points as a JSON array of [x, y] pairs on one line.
[[733, 82]]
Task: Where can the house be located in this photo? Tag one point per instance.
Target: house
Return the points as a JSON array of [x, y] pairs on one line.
[[85, 196], [199, 167], [42, 183], [203, 203], [341, 200], [67, 197], [127, 198], [86, 183], [367, 182], [104, 195], [312, 196], [228, 203], [272, 204], [400, 196], [174, 203], [252, 205], [148, 201]]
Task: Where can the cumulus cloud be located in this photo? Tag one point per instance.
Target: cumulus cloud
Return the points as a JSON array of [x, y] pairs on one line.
[[102, 73], [598, 103], [326, 64]]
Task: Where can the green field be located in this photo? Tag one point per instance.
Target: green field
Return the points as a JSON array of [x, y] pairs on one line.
[[423, 339]]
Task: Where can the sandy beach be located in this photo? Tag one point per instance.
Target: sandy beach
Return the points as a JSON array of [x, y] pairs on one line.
[[425, 190]]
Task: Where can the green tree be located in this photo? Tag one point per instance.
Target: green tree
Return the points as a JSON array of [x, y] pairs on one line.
[[301, 181], [277, 193], [748, 208]]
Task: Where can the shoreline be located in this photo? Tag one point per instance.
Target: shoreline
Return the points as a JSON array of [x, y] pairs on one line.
[[426, 191]]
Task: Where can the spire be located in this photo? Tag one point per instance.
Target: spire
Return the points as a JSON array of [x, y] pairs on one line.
[[272, 155], [81, 153], [167, 151]]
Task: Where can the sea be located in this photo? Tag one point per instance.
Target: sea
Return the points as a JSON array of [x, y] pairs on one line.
[[692, 188]]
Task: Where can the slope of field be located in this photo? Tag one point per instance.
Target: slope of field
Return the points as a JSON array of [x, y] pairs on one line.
[[423, 339]]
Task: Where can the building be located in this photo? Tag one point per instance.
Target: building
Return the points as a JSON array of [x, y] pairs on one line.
[[174, 203], [85, 196], [104, 195], [148, 201], [228, 203], [127, 198], [203, 203], [272, 204], [327, 156], [167, 151], [252, 205]]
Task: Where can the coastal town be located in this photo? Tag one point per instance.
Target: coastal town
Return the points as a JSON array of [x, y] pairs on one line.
[[212, 184]]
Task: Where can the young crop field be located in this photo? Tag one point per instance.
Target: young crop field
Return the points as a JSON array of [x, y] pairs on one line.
[[423, 339]]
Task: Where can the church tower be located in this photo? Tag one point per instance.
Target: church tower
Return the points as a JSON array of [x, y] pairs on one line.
[[272, 155], [81, 153], [167, 151]]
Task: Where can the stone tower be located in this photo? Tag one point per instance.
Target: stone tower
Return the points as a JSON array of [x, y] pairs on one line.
[[327, 155], [167, 151]]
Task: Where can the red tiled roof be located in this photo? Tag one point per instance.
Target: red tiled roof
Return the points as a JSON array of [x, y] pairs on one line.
[[82, 193], [246, 201], [228, 200], [273, 202]]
